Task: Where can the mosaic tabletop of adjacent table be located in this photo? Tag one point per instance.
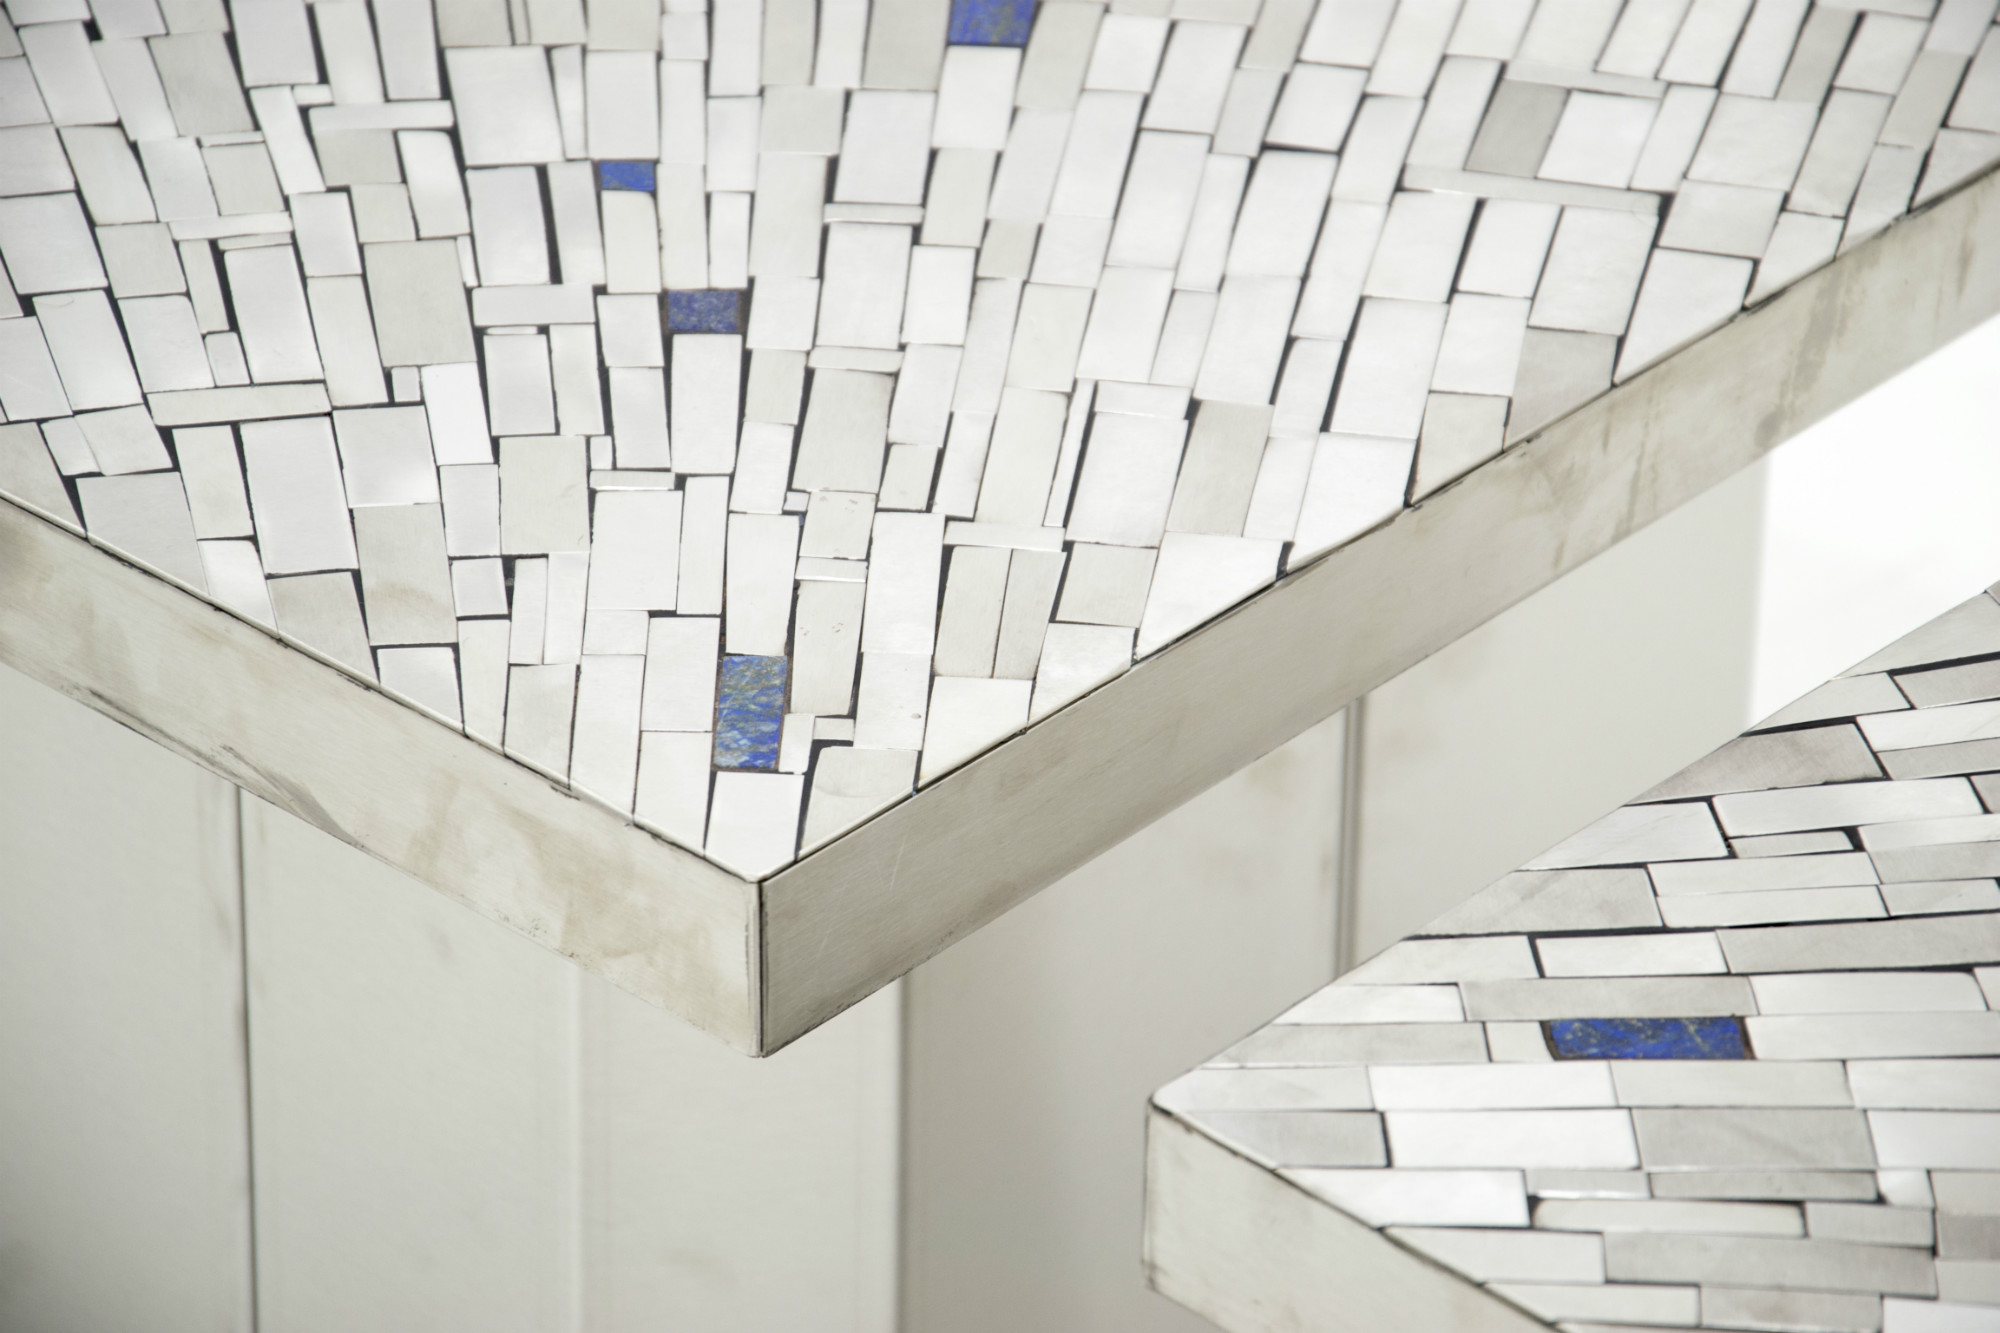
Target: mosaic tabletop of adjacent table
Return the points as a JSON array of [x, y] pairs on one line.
[[1725, 1058], [746, 413]]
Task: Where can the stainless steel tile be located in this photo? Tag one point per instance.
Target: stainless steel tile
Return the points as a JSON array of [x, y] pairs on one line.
[[1788, 1138], [1733, 1083], [123, 440], [1675, 880], [1839, 152], [1845, 697], [1517, 1043], [1743, 1260], [1389, 368], [1770, 1307], [1704, 41], [1301, 1138], [1799, 244], [200, 83], [635, 550], [1835, 806], [1928, 942], [1875, 993], [966, 717], [28, 475], [235, 580], [1247, 341], [1762, 53], [1484, 958], [1667, 954], [1563, 1184], [1219, 469], [47, 244], [758, 573], [1970, 629], [386, 457], [1373, 155], [419, 303], [1951, 685], [479, 588], [505, 105], [1509, 1255], [1460, 431], [1200, 576], [1722, 219], [1418, 252], [1875, 1035], [891, 701], [1669, 1216], [1879, 56], [1848, 1185], [1193, 76], [1869, 1224], [1684, 296], [1929, 897], [322, 612], [1453, 112], [1520, 121], [1333, 1089], [969, 622], [1377, 1004], [1599, 139], [1351, 1043], [1961, 1237], [1126, 482], [1816, 55], [1593, 271], [1632, 834], [1316, 107], [1076, 659], [1590, 997], [297, 497], [1032, 578], [1595, 1139], [405, 581], [144, 517], [849, 785], [1753, 142], [1555, 900], [1488, 1087]]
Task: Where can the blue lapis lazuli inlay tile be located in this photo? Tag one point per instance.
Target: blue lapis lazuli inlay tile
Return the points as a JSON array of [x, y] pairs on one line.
[[625, 176], [714, 311], [750, 712], [1647, 1039], [991, 22]]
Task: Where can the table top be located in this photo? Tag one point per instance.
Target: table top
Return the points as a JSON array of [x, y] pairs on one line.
[[745, 415], [1724, 1057]]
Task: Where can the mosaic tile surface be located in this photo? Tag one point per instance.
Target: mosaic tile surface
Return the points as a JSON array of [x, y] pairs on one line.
[[1729, 1057], [535, 358]]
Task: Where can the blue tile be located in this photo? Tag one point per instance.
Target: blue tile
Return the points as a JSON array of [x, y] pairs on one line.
[[1648, 1039], [991, 22], [626, 176], [705, 312], [750, 712]]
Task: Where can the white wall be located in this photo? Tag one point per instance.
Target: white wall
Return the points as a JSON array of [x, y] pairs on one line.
[[505, 1143], [1032, 1046], [1555, 711], [1880, 518], [124, 1200], [1856, 531], [454, 1129]]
